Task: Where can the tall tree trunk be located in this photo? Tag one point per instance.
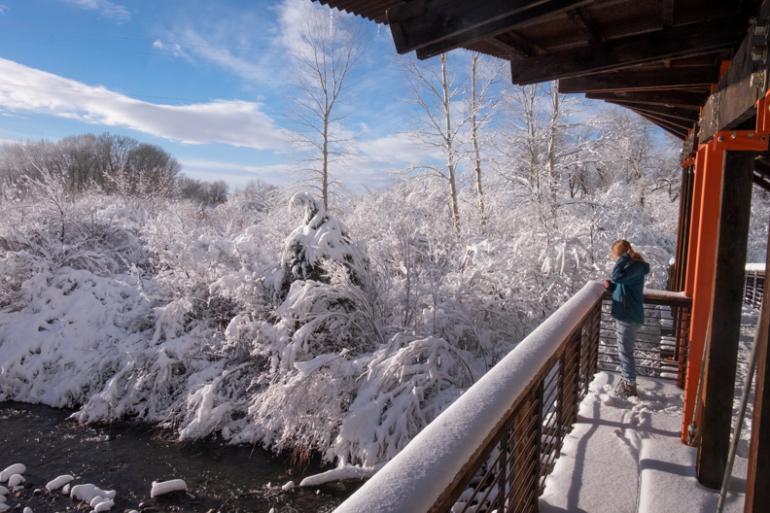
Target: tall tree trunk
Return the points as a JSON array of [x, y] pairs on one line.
[[553, 133], [448, 142], [475, 138], [325, 162]]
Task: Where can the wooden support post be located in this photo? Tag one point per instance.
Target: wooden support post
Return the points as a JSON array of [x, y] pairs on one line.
[[757, 489], [684, 255], [683, 229], [695, 208], [726, 304]]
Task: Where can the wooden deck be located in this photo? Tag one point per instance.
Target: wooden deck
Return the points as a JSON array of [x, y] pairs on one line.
[[626, 457]]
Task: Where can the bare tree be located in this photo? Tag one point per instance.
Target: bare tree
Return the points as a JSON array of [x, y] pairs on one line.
[[435, 93], [324, 59], [480, 110]]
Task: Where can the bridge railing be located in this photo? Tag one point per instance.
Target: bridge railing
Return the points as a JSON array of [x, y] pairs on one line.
[[492, 449], [661, 345]]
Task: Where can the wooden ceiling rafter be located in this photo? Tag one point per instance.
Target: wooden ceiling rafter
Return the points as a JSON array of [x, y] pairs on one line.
[[660, 58], [433, 28], [682, 100], [673, 114], [625, 53]]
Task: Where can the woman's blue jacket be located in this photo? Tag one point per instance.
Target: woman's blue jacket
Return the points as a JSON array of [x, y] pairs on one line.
[[627, 287]]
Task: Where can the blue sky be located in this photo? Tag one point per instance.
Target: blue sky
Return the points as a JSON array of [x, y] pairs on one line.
[[209, 81]]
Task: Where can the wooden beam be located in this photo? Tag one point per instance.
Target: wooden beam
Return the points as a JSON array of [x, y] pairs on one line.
[[757, 490], [668, 113], [628, 81], [512, 43], [667, 13], [744, 83], [680, 99], [438, 26], [670, 43], [682, 230], [726, 304], [680, 126], [676, 131], [581, 18]]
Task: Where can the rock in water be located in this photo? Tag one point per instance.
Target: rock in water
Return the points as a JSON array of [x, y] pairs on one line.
[[58, 482], [87, 492], [16, 468], [15, 480], [164, 487], [104, 505]]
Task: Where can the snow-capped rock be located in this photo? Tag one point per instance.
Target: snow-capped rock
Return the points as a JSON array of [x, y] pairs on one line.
[[16, 468], [104, 505], [164, 487], [86, 492], [58, 482], [15, 480]]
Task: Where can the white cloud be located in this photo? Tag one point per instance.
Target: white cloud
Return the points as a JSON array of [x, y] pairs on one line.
[[298, 18], [238, 174], [396, 149], [106, 8], [232, 122], [186, 42]]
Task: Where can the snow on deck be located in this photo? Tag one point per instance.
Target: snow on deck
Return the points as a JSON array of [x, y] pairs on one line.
[[625, 456]]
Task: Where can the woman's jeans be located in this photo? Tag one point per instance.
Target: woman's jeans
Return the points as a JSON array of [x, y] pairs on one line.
[[626, 335]]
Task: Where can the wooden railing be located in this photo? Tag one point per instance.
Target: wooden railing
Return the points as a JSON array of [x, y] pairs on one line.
[[661, 345], [492, 449]]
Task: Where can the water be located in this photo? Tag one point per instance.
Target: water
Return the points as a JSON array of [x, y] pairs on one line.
[[127, 458]]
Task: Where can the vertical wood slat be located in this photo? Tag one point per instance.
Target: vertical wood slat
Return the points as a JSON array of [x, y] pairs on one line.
[[682, 336], [525, 469], [568, 396], [522, 451]]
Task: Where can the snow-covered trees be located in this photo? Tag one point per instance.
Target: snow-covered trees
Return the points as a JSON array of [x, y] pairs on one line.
[[265, 317]]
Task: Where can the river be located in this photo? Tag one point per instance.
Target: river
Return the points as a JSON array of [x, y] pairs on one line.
[[128, 457]]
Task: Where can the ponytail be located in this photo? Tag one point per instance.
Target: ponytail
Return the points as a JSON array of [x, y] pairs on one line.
[[623, 246]]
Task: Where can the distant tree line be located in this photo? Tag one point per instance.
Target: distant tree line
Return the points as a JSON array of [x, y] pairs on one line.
[[111, 163]]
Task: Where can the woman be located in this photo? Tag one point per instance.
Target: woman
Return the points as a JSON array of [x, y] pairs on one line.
[[627, 287]]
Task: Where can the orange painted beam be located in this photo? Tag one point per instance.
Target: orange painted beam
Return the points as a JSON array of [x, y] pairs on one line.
[[707, 231]]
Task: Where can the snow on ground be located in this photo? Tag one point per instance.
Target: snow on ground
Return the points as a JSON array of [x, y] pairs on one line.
[[625, 456]]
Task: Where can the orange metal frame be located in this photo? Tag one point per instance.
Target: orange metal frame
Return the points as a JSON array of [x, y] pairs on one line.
[[703, 237]]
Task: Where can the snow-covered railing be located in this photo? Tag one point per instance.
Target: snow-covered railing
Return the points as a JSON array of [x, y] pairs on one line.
[[661, 345], [492, 448]]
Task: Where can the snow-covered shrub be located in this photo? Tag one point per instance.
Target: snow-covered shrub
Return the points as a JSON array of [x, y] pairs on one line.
[[406, 385], [321, 238]]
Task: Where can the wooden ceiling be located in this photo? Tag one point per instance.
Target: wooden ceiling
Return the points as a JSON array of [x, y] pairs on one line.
[[658, 58]]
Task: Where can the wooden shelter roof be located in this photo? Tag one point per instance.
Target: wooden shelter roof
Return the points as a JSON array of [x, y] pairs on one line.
[[658, 58]]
